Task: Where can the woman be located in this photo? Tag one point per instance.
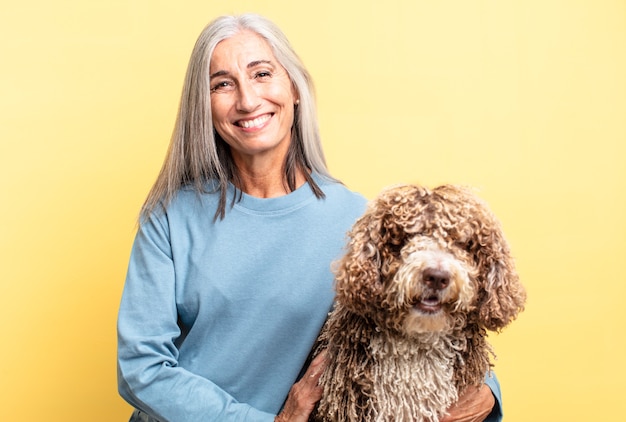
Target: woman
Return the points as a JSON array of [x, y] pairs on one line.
[[229, 278]]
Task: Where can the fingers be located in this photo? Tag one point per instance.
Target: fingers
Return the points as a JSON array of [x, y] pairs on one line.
[[305, 393], [474, 405], [316, 368], [312, 377]]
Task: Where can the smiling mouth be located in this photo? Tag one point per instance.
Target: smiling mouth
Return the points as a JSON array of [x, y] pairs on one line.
[[254, 123], [428, 304]]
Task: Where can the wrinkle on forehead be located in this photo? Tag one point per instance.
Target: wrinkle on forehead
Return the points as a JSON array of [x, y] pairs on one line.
[[242, 51]]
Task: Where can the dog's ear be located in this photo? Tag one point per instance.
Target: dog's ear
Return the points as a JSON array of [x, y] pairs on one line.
[[373, 251], [501, 296], [357, 273]]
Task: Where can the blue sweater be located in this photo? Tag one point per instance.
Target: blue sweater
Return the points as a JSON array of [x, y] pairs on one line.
[[217, 318]]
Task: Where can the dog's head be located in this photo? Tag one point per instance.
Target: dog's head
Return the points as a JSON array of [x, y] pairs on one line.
[[422, 260]]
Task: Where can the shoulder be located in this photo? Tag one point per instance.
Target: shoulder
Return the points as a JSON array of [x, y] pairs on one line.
[[341, 197], [338, 189], [187, 203]]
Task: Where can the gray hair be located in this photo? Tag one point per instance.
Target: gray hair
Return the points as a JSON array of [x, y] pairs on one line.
[[197, 153]]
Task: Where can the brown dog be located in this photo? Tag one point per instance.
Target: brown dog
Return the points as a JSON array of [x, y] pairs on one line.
[[425, 274]]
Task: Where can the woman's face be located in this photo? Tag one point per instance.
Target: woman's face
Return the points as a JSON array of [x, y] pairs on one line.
[[252, 97]]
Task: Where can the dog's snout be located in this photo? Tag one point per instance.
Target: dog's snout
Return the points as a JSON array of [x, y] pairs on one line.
[[436, 279]]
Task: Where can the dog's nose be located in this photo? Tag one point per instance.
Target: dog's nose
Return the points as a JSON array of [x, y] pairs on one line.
[[436, 279]]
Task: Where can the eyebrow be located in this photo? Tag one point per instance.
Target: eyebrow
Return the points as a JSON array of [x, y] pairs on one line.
[[251, 65], [258, 62]]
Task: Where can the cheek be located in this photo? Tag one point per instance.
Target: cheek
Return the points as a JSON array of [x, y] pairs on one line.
[[285, 102], [219, 117], [282, 93], [217, 110]]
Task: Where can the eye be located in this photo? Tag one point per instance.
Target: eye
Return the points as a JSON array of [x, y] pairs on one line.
[[221, 86], [263, 74]]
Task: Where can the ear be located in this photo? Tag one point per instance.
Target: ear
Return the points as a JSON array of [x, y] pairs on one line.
[[501, 295], [373, 251], [504, 298], [357, 273]]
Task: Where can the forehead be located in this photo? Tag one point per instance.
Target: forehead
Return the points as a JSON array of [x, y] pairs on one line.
[[240, 50]]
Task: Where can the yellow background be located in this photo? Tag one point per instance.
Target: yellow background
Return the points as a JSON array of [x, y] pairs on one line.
[[525, 100]]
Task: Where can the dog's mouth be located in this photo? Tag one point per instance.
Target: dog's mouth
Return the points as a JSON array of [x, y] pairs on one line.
[[428, 304]]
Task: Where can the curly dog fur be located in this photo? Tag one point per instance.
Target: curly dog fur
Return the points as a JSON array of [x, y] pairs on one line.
[[425, 274]]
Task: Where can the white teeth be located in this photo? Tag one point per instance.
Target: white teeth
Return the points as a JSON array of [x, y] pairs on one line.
[[254, 123]]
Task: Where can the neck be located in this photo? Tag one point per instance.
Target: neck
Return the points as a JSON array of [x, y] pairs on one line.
[[266, 182]]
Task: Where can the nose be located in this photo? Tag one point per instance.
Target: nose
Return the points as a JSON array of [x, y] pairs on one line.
[[436, 278], [247, 100]]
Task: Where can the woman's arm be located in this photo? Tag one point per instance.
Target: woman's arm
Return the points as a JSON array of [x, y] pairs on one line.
[[482, 403], [149, 377], [304, 394]]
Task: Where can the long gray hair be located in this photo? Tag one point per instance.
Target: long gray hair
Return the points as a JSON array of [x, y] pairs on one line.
[[197, 153]]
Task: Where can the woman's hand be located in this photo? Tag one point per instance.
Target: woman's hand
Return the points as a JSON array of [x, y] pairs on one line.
[[304, 394], [473, 406]]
